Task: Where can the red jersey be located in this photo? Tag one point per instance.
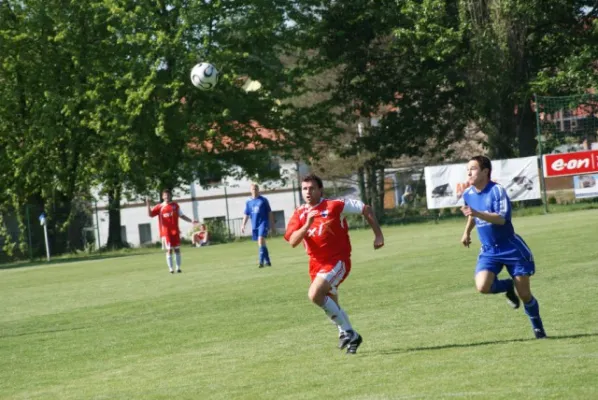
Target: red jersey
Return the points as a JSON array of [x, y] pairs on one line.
[[328, 236], [168, 217]]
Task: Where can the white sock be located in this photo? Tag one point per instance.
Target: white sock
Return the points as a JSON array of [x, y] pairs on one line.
[[337, 315], [346, 317], [169, 261], [178, 259]]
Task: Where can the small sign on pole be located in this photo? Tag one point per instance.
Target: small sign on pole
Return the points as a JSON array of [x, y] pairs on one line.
[[42, 221]]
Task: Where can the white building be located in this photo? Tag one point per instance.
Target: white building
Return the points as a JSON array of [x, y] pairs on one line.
[[224, 200]]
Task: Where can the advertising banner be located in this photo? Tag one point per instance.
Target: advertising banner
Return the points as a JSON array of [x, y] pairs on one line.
[[585, 186], [564, 164], [445, 184]]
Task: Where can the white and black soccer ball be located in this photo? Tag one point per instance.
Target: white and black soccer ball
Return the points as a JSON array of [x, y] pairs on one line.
[[204, 76]]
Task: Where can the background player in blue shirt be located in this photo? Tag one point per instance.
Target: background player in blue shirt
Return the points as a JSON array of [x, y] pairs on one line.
[[488, 207], [258, 209]]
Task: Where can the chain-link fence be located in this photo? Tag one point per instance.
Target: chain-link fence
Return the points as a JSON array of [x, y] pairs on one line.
[[565, 124]]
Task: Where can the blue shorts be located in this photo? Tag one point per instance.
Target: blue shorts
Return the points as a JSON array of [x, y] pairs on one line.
[[261, 230], [513, 254]]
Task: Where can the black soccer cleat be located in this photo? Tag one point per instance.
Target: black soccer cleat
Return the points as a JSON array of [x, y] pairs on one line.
[[343, 340], [268, 264], [512, 298], [260, 265], [171, 271], [354, 344], [178, 271], [540, 334]]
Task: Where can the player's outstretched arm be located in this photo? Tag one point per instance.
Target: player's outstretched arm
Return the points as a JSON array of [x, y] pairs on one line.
[[186, 218], [149, 208], [373, 222]]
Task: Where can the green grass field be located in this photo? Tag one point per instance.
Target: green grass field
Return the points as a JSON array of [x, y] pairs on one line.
[[124, 328]]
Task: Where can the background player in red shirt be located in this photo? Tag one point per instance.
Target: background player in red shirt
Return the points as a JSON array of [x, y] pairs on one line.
[[168, 213], [322, 227]]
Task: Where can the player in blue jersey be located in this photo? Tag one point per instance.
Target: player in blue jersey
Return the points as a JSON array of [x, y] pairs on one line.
[[258, 209], [488, 207]]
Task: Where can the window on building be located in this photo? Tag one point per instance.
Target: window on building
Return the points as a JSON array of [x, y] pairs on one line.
[[279, 222], [123, 234], [145, 233]]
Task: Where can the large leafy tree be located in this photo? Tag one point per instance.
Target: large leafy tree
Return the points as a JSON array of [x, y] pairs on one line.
[[518, 47], [47, 53], [97, 92], [399, 62]]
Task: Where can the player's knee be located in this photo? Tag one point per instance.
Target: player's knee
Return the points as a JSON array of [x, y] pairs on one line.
[[315, 296], [522, 285], [524, 294], [483, 287]]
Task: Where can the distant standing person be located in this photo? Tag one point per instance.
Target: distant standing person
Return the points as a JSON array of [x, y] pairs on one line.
[[258, 209], [168, 213]]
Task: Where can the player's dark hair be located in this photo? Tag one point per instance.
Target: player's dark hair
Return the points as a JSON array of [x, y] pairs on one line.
[[166, 191], [484, 163], [313, 178]]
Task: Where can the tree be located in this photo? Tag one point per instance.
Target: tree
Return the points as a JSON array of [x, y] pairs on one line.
[[401, 65], [47, 53], [520, 46], [114, 106]]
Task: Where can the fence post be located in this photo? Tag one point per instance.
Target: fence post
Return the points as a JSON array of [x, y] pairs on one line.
[[99, 243], [227, 214], [543, 180]]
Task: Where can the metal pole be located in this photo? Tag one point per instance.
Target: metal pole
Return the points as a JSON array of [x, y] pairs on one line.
[[98, 243], [47, 244], [227, 216], [294, 194], [542, 179]]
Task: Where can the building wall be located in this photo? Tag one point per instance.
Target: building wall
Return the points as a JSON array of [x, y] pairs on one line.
[[225, 200]]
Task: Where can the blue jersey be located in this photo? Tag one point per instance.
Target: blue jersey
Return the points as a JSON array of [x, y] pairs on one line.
[[259, 210], [493, 198]]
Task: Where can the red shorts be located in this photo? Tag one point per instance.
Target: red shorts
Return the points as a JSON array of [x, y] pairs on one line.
[[171, 242], [335, 271]]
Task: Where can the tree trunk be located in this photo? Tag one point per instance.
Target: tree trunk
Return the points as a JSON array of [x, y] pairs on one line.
[[114, 237], [502, 135], [372, 187], [362, 187], [526, 130], [381, 193]]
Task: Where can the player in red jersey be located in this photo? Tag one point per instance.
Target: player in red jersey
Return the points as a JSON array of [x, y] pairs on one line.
[[168, 213], [322, 227]]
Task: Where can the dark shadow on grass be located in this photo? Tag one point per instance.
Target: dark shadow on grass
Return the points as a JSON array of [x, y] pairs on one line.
[[72, 259], [475, 344], [42, 332]]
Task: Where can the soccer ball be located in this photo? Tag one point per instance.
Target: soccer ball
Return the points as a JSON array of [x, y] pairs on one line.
[[204, 76]]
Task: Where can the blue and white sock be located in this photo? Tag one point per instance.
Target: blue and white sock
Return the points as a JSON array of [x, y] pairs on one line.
[[532, 310]]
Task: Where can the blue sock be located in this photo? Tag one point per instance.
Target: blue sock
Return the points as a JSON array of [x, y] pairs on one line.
[[532, 309], [266, 255], [501, 286], [261, 254]]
